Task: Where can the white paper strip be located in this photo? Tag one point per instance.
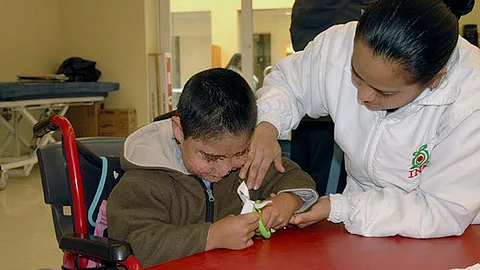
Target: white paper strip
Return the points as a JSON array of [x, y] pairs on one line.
[[247, 203]]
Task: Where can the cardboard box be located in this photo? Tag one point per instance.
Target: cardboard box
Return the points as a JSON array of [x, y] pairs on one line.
[[84, 119], [117, 122]]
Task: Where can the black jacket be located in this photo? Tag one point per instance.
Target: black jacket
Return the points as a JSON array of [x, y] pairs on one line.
[[310, 17]]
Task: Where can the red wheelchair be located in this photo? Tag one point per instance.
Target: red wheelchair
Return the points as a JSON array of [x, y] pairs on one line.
[[70, 172]]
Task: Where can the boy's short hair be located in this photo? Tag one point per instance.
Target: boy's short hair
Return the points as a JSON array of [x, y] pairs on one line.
[[217, 102]]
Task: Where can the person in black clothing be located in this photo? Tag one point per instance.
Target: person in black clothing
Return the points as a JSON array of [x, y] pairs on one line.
[[312, 142], [311, 17]]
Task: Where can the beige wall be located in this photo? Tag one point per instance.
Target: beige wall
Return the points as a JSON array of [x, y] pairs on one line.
[[224, 21], [38, 35], [30, 37], [194, 32], [277, 23], [225, 26], [151, 26], [112, 33], [30, 41], [195, 56], [191, 24], [471, 18]]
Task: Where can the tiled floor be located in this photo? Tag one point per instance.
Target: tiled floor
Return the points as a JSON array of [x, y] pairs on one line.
[[27, 238]]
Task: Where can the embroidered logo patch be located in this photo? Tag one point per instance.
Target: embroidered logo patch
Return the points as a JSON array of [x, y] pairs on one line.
[[419, 161]]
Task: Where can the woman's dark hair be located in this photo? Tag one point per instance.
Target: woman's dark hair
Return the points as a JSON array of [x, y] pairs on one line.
[[420, 35], [217, 102]]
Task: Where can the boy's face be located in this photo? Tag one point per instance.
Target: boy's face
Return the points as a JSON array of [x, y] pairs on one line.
[[213, 159]]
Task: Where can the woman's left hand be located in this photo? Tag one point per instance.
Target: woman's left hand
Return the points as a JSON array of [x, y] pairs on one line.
[[319, 211]]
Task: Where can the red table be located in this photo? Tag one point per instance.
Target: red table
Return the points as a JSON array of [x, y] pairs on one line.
[[329, 246]]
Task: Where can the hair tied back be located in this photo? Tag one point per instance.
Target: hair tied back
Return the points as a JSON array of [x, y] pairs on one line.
[[460, 7]]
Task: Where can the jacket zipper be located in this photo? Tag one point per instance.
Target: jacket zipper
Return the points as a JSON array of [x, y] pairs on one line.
[[209, 199], [373, 146]]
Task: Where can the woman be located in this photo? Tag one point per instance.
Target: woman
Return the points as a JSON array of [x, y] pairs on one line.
[[235, 64], [404, 92]]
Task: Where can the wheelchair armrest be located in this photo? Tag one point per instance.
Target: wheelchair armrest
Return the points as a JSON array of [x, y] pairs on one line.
[[98, 247]]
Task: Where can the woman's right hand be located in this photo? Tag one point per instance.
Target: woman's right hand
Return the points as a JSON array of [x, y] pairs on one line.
[[264, 149], [319, 211]]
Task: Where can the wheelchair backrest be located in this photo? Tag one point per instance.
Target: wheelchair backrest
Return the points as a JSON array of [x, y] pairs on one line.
[[56, 183]]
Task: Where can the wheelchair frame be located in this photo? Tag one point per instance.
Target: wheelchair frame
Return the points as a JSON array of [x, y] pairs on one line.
[[80, 247]]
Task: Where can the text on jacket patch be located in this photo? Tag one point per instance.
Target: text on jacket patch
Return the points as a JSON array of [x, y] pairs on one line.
[[420, 161]]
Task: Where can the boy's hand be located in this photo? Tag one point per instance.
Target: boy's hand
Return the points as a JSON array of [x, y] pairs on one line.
[[278, 214], [233, 232]]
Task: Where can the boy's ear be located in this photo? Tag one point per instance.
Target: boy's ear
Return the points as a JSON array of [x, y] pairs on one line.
[[177, 129]]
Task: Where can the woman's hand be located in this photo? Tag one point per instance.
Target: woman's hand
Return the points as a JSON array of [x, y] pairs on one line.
[[264, 149], [319, 211]]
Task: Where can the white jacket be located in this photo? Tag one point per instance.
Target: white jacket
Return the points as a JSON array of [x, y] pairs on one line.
[[414, 172]]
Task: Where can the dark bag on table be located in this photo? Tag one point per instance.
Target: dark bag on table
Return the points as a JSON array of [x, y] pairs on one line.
[[79, 70]]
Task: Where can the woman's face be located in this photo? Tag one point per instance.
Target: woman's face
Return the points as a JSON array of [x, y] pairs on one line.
[[381, 84]]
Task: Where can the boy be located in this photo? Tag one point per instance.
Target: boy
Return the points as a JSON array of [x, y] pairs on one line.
[[178, 195]]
